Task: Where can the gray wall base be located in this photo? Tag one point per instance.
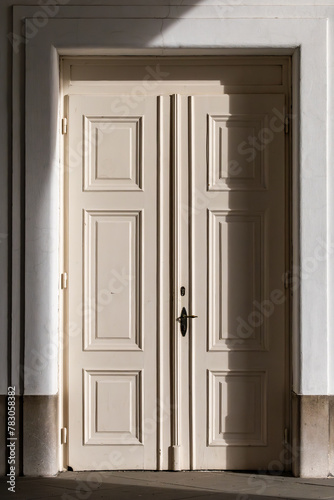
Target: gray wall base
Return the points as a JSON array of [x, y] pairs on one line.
[[3, 427], [313, 436], [4, 467], [40, 435]]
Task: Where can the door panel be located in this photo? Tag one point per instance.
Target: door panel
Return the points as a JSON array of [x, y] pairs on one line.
[[112, 227], [237, 264], [241, 234], [104, 294]]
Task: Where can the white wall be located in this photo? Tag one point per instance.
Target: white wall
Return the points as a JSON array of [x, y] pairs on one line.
[[4, 162], [317, 346]]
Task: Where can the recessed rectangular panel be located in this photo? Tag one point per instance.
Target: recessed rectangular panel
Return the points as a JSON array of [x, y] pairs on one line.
[[113, 153], [216, 72], [237, 408], [112, 407], [112, 280], [236, 152], [235, 275]]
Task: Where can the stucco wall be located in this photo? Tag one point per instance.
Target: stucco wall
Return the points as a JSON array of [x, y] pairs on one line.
[[214, 8], [11, 256]]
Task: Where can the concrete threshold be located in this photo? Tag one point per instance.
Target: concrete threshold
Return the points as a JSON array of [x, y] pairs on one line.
[[142, 485]]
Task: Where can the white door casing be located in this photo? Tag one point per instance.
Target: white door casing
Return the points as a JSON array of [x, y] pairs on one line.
[[233, 414]]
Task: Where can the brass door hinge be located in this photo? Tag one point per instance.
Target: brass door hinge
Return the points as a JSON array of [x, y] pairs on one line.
[[286, 124], [63, 435], [286, 435], [63, 281], [287, 279], [64, 126]]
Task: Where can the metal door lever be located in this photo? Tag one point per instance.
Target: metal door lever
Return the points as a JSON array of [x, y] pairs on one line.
[[183, 320]]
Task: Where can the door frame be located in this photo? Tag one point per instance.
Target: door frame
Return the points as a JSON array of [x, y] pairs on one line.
[[173, 217], [42, 124]]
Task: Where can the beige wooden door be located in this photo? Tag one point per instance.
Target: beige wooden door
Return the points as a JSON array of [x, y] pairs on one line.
[[238, 343], [112, 229], [226, 385]]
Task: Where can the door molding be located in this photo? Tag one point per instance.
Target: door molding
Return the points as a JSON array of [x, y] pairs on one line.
[[309, 184], [176, 245]]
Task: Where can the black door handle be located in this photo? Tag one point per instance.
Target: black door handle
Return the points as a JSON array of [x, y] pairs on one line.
[[183, 320]]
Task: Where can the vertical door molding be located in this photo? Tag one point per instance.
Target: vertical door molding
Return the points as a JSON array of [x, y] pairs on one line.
[[176, 249]]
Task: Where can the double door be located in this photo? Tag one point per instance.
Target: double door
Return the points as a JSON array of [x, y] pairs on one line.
[[176, 208]]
